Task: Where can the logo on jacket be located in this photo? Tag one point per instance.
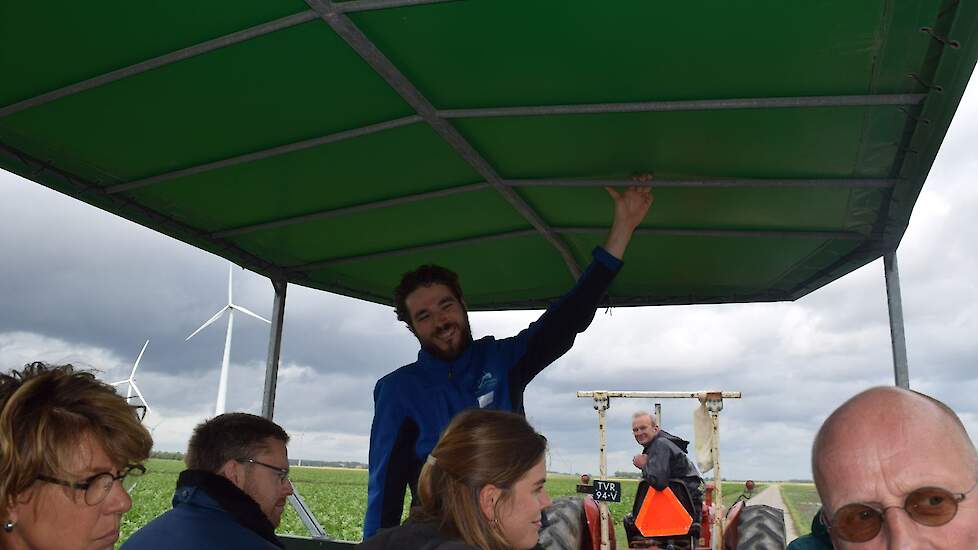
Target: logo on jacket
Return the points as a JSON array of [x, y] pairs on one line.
[[486, 389]]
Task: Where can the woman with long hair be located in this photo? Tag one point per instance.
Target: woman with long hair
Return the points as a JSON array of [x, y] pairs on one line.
[[481, 487], [67, 443]]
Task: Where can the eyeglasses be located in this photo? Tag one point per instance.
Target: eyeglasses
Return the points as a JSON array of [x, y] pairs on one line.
[[283, 473], [930, 506], [98, 486]]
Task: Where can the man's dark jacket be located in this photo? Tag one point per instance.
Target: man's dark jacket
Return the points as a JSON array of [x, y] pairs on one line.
[[413, 535], [668, 460], [818, 539], [413, 404], [209, 513]]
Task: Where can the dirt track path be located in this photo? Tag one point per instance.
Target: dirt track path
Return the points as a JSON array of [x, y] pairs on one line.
[[772, 497]]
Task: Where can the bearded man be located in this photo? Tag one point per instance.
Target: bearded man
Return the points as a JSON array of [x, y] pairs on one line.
[[413, 404]]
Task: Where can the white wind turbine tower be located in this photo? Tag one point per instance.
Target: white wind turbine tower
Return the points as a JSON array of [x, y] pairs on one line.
[[230, 308], [132, 380]]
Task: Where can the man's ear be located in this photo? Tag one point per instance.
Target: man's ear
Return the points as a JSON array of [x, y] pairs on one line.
[[488, 496], [234, 472]]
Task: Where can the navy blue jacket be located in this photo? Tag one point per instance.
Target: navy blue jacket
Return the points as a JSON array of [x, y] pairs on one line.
[[209, 513], [413, 404]]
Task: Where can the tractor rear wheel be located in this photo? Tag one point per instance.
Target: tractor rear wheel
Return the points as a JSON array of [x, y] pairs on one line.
[[761, 528], [565, 525]]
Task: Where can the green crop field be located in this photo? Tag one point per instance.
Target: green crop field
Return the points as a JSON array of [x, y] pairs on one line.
[[802, 503], [338, 497]]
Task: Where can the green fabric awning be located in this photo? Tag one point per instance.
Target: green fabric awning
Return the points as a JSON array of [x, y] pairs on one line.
[[339, 144]]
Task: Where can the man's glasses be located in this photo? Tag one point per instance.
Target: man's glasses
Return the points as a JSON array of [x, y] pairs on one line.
[[98, 486], [283, 473], [930, 506]]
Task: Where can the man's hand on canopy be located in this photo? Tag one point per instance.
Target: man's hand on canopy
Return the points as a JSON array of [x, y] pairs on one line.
[[631, 207], [633, 204]]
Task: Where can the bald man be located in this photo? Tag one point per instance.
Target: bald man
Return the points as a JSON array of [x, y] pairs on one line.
[[896, 469]]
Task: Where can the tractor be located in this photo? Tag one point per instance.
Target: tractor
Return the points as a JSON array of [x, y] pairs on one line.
[[662, 519]]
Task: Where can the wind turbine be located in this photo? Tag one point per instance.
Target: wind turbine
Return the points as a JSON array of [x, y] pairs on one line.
[[132, 380], [230, 308]]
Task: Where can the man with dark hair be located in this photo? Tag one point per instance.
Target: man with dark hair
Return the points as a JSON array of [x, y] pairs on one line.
[[413, 404], [232, 493]]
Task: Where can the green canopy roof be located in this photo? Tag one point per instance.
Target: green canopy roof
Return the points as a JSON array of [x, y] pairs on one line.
[[338, 144]]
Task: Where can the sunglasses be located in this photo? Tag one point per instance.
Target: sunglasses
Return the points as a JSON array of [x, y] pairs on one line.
[[930, 506]]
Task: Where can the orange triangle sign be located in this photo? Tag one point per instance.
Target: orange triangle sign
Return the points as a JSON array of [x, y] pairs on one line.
[[662, 515]]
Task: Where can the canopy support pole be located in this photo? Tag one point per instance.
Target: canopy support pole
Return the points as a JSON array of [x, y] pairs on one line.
[[894, 304], [601, 404], [274, 349], [268, 399]]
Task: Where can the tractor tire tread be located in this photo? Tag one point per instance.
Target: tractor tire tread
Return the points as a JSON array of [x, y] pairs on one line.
[[564, 527], [761, 528]]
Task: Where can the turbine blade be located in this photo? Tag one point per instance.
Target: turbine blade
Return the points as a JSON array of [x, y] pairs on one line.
[[209, 321], [136, 364], [230, 285], [119, 382], [140, 394], [247, 311]]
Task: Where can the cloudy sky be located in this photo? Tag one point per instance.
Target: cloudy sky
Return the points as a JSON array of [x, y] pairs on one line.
[[82, 286]]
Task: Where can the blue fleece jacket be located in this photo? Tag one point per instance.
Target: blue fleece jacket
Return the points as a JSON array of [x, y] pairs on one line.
[[413, 404], [209, 513]]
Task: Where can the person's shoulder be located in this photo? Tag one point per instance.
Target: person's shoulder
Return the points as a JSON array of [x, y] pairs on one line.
[[413, 536], [398, 374], [154, 534], [190, 527], [809, 542]]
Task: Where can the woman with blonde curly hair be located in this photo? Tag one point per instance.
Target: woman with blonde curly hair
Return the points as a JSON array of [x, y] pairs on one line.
[[482, 487], [65, 440]]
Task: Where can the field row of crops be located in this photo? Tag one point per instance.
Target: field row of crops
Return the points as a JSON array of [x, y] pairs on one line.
[[338, 497]]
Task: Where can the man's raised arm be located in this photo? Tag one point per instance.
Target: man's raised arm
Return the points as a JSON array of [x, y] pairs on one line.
[[631, 206]]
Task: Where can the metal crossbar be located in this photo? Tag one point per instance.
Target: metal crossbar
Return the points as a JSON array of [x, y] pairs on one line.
[[647, 231], [265, 153], [682, 232], [366, 5], [413, 250], [690, 105], [707, 183], [374, 57], [156, 62], [658, 184], [356, 209]]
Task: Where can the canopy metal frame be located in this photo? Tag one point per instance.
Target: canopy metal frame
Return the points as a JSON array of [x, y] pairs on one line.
[[334, 14]]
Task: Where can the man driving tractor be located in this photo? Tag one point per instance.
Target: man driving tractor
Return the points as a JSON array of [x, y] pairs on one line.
[[663, 460]]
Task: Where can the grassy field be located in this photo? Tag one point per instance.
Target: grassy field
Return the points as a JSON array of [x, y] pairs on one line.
[[338, 497], [802, 503]]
